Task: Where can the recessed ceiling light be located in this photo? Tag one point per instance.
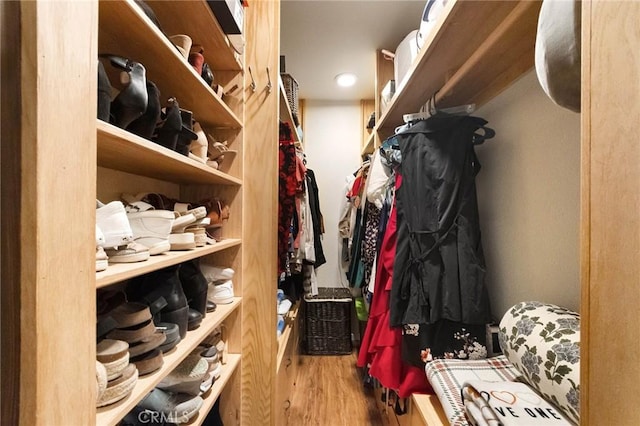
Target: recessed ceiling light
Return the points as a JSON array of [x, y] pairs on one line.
[[346, 79]]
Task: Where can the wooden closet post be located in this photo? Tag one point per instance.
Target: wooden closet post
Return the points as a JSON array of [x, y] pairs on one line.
[[610, 223], [260, 207], [48, 248]]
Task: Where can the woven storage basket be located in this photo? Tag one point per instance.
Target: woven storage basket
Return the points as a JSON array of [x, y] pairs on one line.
[[291, 89], [328, 322]]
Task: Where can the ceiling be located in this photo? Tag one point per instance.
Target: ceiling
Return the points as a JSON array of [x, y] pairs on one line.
[[323, 38]]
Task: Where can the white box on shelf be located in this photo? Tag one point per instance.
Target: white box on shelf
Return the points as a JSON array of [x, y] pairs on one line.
[[406, 53], [386, 95]]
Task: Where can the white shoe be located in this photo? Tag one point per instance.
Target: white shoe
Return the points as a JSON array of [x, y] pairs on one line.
[[151, 228], [221, 294], [182, 241], [102, 261], [113, 222], [132, 252], [215, 274], [99, 237]]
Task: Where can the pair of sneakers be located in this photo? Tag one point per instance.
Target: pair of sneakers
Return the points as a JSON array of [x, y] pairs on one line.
[[130, 236], [114, 237], [220, 282]]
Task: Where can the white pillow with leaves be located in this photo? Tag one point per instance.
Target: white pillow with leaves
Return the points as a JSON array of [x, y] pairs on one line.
[[543, 342]]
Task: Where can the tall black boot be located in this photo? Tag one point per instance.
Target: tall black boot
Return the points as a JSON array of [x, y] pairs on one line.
[[195, 286], [162, 291]]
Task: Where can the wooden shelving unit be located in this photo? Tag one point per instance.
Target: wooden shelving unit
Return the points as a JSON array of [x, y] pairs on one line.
[[121, 150], [112, 414], [129, 161], [369, 146], [117, 272], [476, 50], [285, 111], [148, 45], [197, 16]]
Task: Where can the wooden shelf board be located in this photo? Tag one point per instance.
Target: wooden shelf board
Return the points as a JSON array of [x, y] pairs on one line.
[[165, 66], [429, 409], [285, 111], [120, 150], [502, 34], [286, 333], [369, 146], [112, 414], [122, 271], [195, 17], [233, 361]]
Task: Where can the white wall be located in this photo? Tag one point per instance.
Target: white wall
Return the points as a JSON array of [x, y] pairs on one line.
[[529, 198], [332, 146], [528, 191]]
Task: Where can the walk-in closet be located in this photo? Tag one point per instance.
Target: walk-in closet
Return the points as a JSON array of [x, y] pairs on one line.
[[283, 212]]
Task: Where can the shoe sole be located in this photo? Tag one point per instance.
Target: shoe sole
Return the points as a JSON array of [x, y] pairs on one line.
[[222, 300], [129, 258], [101, 265], [159, 248]]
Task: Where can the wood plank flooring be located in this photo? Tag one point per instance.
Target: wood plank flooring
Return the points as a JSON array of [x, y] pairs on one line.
[[329, 392]]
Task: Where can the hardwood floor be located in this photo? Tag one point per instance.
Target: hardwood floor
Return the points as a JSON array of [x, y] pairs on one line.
[[329, 392]]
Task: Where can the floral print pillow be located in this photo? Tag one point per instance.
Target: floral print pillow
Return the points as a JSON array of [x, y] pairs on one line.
[[543, 342]]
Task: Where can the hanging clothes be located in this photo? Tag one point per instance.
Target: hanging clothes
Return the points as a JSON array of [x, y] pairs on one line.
[[287, 187], [381, 346], [316, 217], [440, 266], [439, 295]]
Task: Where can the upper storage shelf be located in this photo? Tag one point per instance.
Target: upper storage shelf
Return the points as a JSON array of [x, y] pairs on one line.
[[126, 31], [285, 111], [195, 17], [476, 50]]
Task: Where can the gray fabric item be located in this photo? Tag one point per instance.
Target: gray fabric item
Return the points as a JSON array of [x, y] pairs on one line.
[[557, 57]]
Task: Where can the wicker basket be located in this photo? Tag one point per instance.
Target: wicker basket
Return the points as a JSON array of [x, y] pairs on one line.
[[291, 89], [328, 322]]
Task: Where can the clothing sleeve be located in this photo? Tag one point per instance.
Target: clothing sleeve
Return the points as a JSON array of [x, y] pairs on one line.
[[378, 179]]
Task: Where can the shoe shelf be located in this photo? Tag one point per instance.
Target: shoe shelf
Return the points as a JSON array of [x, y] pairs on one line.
[[117, 272], [112, 414], [290, 322], [233, 360], [475, 50], [196, 18], [124, 151], [285, 111], [125, 30]]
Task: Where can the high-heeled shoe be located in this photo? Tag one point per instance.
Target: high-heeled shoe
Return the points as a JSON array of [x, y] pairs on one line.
[[145, 125], [166, 133], [104, 94], [183, 43], [131, 102], [186, 134]]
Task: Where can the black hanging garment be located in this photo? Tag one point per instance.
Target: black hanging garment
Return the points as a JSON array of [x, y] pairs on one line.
[[439, 274]]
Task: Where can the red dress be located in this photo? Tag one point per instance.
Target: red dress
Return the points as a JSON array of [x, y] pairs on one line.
[[381, 344]]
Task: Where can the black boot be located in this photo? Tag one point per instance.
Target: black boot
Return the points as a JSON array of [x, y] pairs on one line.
[[146, 124], [195, 286], [167, 131], [131, 102], [104, 94], [162, 291]]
